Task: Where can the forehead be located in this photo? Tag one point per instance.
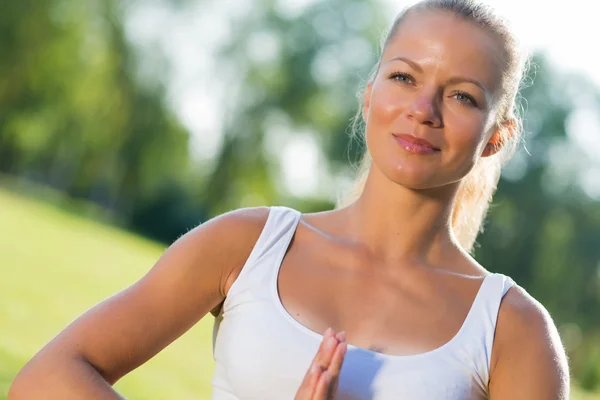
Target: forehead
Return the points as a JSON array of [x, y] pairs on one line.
[[450, 44]]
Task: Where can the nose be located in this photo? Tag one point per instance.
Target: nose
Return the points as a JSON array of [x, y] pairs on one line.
[[425, 109]]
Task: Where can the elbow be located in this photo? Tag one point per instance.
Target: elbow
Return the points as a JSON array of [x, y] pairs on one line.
[[22, 387], [38, 379], [59, 378]]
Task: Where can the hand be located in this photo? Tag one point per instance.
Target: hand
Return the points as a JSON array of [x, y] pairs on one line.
[[321, 380]]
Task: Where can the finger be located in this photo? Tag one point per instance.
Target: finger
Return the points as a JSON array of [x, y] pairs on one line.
[[323, 389], [336, 365], [324, 357], [328, 333], [326, 349], [341, 336], [309, 384], [337, 359]]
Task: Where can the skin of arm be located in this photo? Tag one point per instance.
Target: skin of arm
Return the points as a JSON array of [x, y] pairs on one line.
[[124, 331], [530, 361]]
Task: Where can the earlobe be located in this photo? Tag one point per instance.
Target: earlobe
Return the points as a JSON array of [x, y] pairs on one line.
[[497, 141], [492, 146], [490, 149]]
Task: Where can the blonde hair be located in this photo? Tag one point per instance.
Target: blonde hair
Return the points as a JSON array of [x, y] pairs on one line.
[[477, 188]]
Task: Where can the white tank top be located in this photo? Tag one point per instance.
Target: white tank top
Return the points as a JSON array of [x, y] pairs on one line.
[[262, 352]]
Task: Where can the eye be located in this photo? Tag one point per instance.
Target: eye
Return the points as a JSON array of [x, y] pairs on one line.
[[465, 98], [402, 77]]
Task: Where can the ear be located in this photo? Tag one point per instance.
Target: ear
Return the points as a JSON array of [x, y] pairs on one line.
[[367, 101], [499, 138]]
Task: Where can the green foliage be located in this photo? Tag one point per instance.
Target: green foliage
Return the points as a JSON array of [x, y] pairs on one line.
[[75, 115], [299, 73]]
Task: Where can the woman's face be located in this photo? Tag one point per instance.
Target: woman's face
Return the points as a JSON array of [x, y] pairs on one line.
[[431, 109]]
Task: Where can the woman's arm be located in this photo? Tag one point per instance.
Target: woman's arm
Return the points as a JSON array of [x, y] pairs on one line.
[[528, 361], [121, 333]]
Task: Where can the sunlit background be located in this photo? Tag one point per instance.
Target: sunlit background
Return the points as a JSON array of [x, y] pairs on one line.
[[123, 124]]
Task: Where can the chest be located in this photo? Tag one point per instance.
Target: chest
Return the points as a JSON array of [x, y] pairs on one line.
[[381, 311], [266, 357]]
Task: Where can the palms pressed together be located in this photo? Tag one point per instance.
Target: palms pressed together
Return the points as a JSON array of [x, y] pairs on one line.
[[321, 379]]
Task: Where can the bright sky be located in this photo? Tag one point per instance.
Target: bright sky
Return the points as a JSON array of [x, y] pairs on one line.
[[568, 31]]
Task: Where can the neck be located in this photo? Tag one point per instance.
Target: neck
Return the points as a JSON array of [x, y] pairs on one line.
[[396, 223]]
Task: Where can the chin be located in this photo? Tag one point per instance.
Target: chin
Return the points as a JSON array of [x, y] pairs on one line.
[[414, 184], [416, 177]]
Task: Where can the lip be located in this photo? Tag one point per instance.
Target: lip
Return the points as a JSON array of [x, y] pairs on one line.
[[414, 144]]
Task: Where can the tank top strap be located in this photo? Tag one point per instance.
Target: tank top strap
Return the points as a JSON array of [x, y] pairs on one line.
[[480, 325], [498, 286], [274, 239]]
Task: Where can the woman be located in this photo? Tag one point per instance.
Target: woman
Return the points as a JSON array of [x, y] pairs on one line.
[[421, 318]]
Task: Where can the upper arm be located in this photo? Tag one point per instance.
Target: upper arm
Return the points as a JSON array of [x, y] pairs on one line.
[[188, 280], [529, 360]]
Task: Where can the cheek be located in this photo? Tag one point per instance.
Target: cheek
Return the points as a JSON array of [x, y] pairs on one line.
[[386, 104], [465, 140], [465, 132], [385, 112]]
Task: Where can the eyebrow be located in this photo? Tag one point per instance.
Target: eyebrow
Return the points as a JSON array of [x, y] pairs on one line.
[[452, 81], [413, 64], [460, 79]]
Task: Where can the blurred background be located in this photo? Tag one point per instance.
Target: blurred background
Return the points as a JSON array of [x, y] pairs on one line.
[[123, 124]]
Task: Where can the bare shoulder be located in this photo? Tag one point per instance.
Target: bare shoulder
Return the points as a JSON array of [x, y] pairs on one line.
[[228, 239], [240, 227], [250, 216], [521, 316], [528, 355]]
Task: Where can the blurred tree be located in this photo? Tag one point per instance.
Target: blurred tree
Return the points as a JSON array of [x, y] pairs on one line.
[[76, 116], [296, 69]]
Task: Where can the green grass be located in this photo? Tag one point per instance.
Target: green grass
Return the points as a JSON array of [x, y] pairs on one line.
[[55, 265], [577, 394]]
